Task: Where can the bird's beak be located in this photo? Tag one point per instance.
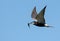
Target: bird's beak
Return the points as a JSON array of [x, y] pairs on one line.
[[29, 25]]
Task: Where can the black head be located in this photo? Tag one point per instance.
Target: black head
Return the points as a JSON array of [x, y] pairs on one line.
[[33, 22]]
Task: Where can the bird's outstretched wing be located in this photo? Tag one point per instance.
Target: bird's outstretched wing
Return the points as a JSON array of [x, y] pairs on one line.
[[40, 16], [34, 13]]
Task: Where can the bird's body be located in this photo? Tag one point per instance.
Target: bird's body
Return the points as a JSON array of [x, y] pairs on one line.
[[38, 24], [39, 19]]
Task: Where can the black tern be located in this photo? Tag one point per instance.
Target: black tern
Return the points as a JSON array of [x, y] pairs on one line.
[[39, 19]]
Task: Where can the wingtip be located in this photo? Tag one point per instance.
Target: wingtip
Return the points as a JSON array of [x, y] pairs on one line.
[[45, 6], [34, 7]]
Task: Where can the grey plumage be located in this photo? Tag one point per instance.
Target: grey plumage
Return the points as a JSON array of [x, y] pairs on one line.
[[39, 17], [34, 13]]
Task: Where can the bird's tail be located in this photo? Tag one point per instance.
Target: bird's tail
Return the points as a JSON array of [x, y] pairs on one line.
[[49, 26]]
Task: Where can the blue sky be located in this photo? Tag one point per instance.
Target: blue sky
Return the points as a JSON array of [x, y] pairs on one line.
[[15, 14]]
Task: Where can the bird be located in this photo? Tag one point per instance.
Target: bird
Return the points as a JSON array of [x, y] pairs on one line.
[[39, 19]]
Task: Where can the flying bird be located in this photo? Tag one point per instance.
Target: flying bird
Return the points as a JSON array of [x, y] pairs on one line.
[[39, 19]]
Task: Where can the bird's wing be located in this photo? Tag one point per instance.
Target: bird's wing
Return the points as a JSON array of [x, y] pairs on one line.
[[40, 16], [34, 13]]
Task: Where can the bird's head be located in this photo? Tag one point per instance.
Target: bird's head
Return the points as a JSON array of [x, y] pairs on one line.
[[33, 22]]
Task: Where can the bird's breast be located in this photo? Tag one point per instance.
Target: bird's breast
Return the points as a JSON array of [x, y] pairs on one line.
[[39, 24]]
